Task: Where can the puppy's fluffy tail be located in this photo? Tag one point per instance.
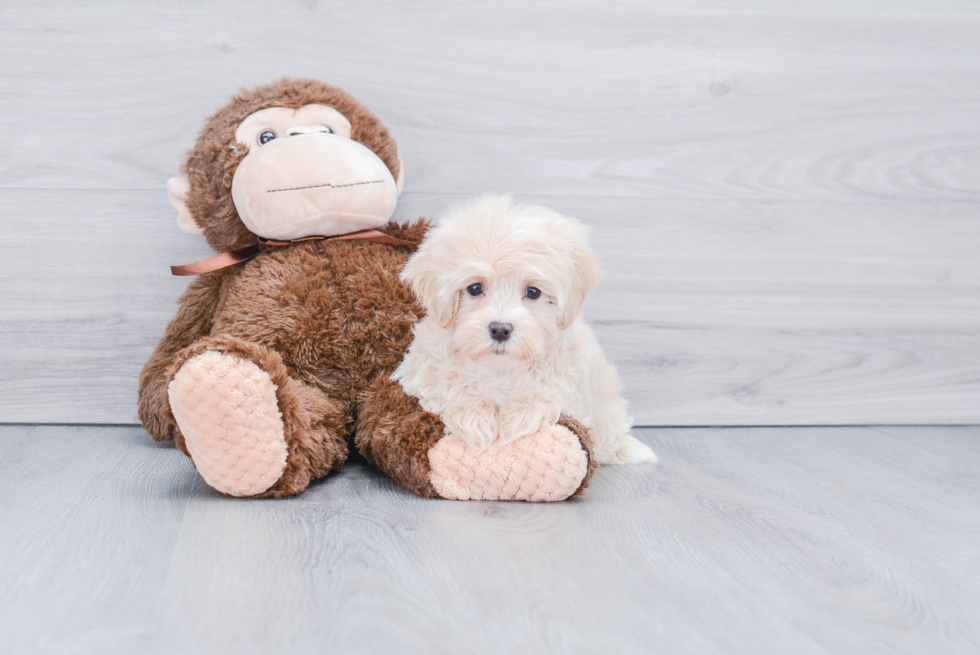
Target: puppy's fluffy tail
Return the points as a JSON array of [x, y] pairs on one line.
[[633, 451]]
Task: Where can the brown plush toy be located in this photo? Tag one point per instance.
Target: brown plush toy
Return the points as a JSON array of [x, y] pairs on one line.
[[284, 345]]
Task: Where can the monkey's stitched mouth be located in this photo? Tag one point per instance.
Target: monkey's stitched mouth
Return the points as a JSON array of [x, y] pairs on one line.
[[325, 186]]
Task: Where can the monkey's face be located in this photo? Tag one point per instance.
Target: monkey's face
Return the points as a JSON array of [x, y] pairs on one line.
[[304, 175]]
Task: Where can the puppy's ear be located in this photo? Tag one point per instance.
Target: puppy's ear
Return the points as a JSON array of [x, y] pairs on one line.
[[583, 273], [445, 309], [421, 276]]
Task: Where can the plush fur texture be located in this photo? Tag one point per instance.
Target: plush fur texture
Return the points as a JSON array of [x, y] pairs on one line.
[[211, 164], [491, 262], [324, 319], [327, 322], [313, 422]]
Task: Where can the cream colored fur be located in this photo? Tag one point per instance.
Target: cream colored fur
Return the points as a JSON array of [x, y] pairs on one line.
[[488, 392]]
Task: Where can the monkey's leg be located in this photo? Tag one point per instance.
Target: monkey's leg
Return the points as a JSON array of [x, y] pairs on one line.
[[250, 428], [407, 443]]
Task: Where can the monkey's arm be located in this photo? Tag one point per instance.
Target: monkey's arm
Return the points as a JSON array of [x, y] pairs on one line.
[[408, 444], [193, 321], [395, 434]]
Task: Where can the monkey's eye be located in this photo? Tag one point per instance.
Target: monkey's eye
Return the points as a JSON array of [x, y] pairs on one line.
[[475, 289], [532, 293], [266, 136]]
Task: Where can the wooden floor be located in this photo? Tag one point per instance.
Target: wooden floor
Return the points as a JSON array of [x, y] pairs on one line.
[[743, 540]]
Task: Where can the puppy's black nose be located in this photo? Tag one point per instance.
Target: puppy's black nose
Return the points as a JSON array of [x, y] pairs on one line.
[[500, 331]]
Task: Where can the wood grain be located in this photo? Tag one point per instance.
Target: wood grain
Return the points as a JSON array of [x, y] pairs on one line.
[[784, 195], [716, 313], [742, 540], [723, 100]]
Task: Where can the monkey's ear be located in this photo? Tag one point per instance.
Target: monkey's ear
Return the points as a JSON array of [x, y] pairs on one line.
[[400, 180], [177, 188]]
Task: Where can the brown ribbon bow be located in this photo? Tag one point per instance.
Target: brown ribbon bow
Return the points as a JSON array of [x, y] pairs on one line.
[[233, 257]]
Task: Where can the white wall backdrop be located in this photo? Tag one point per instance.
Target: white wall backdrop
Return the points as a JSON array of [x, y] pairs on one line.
[[785, 196]]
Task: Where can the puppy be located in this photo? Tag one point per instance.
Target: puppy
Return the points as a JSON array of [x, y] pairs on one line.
[[502, 350]]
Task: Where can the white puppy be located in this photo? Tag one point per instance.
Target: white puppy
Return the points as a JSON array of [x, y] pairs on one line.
[[502, 350]]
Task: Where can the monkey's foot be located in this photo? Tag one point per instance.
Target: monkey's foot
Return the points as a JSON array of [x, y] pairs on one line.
[[227, 410], [548, 465]]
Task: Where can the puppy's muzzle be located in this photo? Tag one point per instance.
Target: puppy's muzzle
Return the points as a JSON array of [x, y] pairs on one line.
[[501, 332]]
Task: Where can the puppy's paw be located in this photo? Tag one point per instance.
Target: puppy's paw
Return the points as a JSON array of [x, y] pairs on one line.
[[476, 421], [526, 415], [632, 451]]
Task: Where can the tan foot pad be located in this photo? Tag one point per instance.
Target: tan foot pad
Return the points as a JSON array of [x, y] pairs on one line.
[[548, 465], [227, 410]]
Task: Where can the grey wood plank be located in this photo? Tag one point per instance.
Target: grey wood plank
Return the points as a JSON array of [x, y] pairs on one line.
[[823, 101], [89, 518], [715, 312], [742, 540]]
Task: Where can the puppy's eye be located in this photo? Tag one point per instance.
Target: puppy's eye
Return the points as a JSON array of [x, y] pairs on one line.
[[266, 136], [532, 293], [475, 289]]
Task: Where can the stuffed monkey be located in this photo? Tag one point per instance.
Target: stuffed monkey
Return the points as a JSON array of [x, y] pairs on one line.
[[283, 346]]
